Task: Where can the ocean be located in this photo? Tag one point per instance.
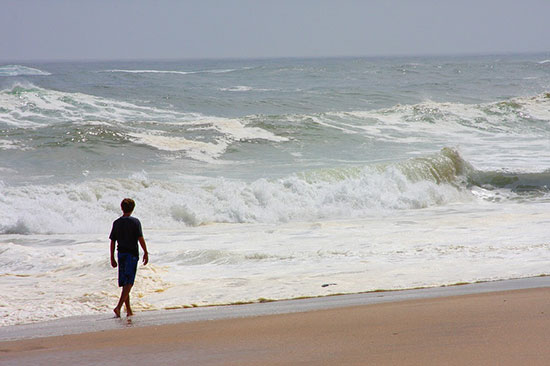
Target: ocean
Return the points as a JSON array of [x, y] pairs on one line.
[[268, 179]]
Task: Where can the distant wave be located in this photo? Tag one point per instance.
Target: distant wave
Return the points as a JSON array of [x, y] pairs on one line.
[[243, 88], [104, 120], [504, 116], [544, 62], [18, 70], [239, 88], [213, 71], [151, 72]]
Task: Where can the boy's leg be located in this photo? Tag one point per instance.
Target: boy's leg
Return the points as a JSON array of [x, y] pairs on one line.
[[127, 266], [124, 296], [129, 311]]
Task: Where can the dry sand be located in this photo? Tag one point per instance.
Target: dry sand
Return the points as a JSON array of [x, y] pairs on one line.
[[499, 328]]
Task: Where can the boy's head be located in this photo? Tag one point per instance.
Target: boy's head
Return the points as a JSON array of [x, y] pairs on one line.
[[127, 205]]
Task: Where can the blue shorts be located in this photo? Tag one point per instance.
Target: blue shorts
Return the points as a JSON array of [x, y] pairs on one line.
[[127, 267]]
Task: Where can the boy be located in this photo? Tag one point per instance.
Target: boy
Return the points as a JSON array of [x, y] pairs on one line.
[[127, 232]]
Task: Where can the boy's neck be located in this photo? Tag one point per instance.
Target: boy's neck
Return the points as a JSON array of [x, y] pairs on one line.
[[126, 214]]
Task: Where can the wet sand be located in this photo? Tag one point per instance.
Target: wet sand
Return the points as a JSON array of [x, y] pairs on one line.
[[493, 328]]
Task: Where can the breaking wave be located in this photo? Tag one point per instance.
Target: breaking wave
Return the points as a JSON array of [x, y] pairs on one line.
[[433, 118], [18, 70], [204, 138], [417, 183], [177, 72]]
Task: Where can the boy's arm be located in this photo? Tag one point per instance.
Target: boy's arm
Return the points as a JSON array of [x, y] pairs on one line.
[[113, 260], [144, 247]]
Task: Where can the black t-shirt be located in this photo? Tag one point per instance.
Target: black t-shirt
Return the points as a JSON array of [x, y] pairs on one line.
[[126, 231]]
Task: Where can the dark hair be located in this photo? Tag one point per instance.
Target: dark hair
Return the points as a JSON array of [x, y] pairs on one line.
[[127, 205]]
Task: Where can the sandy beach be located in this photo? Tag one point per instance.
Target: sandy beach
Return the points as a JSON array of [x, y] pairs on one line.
[[489, 328]]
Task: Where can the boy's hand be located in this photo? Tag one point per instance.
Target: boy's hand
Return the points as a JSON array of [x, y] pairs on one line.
[[113, 262], [145, 258]]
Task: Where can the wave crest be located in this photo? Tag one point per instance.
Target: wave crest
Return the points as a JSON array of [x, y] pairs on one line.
[[197, 136], [321, 194], [177, 72], [18, 70]]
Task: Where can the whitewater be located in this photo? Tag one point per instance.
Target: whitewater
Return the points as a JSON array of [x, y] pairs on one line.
[[270, 179]]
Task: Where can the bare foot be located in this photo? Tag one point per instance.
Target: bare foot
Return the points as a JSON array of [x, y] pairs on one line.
[[129, 311], [117, 312]]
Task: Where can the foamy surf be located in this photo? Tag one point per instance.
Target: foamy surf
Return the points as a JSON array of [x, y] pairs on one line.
[[270, 178], [29, 106], [58, 275], [19, 70], [354, 192]]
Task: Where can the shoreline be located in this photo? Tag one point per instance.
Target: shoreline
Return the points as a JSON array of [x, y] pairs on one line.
[[502, 327], [106, 322]]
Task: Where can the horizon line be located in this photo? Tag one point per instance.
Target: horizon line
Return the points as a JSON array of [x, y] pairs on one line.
[[254, 58]]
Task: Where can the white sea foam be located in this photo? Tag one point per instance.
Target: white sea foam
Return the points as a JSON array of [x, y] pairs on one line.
[[244, 88], [238, 88], [236, 129], [69, 278], [432, 121], [87, 207], [44, 277], [452, 118], [198, 150], [152, 72], [212, 71], [230, 129], [10, 145], [419, 183], [475, 128], [18, 70], [28, 106]]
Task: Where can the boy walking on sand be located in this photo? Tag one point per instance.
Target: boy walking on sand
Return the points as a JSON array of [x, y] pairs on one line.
[[127, 232]]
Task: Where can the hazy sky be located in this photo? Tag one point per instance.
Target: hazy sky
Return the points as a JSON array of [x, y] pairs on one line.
[[140, 29]]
